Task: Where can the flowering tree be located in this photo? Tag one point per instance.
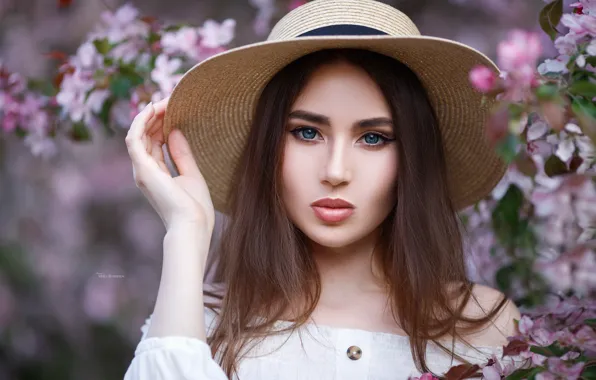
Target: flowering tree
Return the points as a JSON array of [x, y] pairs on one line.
[[126, 62], [533, 237], [539, 222]]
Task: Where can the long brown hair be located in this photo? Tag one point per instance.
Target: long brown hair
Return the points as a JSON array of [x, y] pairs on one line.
[[264, 260]]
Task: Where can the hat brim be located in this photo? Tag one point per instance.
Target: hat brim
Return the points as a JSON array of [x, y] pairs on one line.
[[214, 102]]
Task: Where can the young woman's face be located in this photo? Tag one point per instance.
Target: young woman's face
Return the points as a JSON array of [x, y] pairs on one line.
[[340, 145]]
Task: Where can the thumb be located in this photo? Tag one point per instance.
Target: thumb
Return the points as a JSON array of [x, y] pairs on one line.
[[181, 154]]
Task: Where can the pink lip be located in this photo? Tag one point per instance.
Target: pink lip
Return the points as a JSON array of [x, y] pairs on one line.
[[332, 210]]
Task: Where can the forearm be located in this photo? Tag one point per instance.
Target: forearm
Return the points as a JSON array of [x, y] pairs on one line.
[[179, 306]]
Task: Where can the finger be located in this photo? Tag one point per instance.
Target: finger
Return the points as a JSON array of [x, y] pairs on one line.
[[157, 154], [182, 154], [139, 123], [134, 142], [161, 106], [155, 130]]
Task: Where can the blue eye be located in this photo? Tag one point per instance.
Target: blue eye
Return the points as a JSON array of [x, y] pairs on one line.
[[375, 139], [305, 133], [372, 139]]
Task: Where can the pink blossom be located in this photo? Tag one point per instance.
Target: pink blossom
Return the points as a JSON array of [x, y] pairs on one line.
[[565, 337], [579, 25], [591, 48], [545, 376], [164, 73], [499, 368], [87, 57], [525, 325], [559, 367], [37, 139], [215, 35], [72, 92], [185, 40], [587, 6], [585, 338], [123, 16], [537, 130], [11, 112], [558, 65], [121, 25], [536, 359], [517, 57], [483, 78], [522, 49], [566, 45], [512, 177]]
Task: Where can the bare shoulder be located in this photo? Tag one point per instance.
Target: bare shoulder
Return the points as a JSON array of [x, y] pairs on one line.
[[484, 299]]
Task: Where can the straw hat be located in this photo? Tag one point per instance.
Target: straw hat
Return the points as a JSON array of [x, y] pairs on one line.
[[214, 102]]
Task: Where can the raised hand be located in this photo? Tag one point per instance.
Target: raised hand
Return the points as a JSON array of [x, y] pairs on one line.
[[179, 200]]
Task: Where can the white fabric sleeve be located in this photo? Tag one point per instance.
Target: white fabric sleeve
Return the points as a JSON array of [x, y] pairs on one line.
[[173, 357]]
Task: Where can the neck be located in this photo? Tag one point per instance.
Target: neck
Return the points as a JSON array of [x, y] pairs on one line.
[[349, 270]]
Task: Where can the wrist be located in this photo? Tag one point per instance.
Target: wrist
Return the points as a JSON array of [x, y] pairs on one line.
[[189, 225]]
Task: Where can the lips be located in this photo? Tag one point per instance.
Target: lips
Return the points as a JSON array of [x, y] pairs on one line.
[[332, 210]]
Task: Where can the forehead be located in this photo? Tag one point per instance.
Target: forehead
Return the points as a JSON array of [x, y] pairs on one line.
[[342, 91]]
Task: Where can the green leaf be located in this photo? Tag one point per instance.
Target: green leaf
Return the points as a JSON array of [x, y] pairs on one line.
[[20, 132], [550, 16], [525, 164], [80, 132], [589, 373], [590, 322], [16, 267], [584, 88], [123, 81], [44, 87], [104, 115], [591, 59], [504, 277], [120, 86], [585, 113], [547, 91], [153, 37], [506, 221], [507, 148], [522, 374], [103, 46], [554, 166], [552, 350]]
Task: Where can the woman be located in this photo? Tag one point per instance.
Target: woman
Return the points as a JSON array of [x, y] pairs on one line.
[[340, 150]]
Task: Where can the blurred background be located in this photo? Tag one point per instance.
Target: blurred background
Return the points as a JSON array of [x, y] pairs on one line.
[[80, 248]]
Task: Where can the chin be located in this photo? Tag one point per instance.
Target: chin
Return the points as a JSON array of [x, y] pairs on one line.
[[337, 236]]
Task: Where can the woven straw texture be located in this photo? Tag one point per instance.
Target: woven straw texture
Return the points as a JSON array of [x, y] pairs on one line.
[[213, 104]]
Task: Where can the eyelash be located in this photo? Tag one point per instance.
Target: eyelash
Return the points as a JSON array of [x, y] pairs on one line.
[[384, 139]]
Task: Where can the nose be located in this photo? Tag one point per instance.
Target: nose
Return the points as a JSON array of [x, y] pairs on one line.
[[336, 170]]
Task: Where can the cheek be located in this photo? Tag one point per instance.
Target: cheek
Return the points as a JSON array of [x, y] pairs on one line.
[[379, 178], [297, 170]]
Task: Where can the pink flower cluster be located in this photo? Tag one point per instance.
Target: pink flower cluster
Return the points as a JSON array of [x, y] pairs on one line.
[[517, 58], [128, 61], [562, 207], [25, 110], [563, 323], [579, 40]]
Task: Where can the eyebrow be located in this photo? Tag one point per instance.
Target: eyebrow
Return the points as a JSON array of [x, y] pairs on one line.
[[324, 120]]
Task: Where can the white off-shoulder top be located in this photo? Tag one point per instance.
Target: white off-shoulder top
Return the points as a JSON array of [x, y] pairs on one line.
[[312, 352]]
